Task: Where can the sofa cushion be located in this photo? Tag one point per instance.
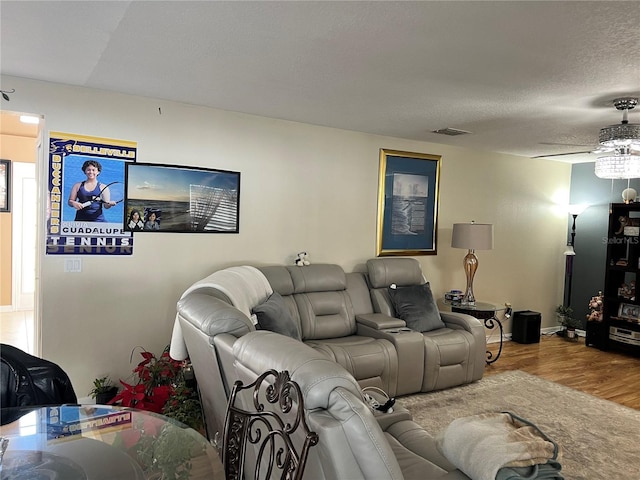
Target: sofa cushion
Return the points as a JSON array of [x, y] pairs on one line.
[[318, 278], [274, 315], [279, 278], [325, 315], [416, 306], [401, 271]]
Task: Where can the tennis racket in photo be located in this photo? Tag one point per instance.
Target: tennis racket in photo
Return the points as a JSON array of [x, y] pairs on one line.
[[111, 192]]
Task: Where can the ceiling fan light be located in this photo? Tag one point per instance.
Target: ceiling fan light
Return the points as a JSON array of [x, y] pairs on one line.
[[625, 134], [618, 166]]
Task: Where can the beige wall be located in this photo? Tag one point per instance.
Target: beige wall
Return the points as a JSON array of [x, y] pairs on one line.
[[303, 188]]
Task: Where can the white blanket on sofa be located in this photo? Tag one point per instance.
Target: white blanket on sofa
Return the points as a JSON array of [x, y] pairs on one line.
[[480, 445], [245, 286]]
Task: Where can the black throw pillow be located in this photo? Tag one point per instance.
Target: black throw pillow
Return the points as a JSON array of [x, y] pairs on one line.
[[416, 306], [274, 315]]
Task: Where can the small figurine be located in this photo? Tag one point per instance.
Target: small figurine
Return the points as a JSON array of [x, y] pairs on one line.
[[623, 223], [595, 307], [628, 291], [302, 259]]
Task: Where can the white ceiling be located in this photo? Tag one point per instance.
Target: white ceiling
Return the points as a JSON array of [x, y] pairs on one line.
[[519, 75]]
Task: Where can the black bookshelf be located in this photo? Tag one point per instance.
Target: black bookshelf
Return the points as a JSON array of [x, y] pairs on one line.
[[620, 328]]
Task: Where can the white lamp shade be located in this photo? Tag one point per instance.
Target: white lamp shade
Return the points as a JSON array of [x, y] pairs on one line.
[[577, 209], [472, 236]]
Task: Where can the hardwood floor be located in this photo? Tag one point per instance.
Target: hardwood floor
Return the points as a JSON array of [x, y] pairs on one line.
[[608, 375], [16, 328]]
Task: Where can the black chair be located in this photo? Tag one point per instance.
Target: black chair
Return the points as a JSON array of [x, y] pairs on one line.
[[266, 433], [26, 380]]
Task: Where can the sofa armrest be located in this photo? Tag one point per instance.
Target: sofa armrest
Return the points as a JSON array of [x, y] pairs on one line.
[[475, 327], [379, 321], [213, 316], [408, 343], [462, 321], [416, 439], [385, 420]]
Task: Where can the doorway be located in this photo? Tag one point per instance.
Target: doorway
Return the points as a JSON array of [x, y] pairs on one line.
[[21, 143]]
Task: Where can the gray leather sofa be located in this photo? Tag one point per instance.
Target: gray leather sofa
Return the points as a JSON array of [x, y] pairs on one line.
[[344, 317], [355, 443], [320, 300]]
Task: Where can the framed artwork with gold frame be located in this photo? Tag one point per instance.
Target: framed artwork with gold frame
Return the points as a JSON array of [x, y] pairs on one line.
[[407, 203]]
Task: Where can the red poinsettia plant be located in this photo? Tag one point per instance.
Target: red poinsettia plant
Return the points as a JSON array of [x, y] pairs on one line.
[[156, 379], [163, 385]]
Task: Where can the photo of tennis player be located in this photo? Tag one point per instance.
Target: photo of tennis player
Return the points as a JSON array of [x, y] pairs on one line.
[[89, 196]]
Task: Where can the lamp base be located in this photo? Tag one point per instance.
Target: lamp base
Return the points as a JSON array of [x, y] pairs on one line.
[[470, 264]]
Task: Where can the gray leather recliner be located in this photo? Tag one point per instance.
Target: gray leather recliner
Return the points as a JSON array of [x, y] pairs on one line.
[[354, 443], [453, 355]]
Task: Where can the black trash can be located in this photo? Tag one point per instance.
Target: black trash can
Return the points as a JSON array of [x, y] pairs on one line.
[[526, 326]]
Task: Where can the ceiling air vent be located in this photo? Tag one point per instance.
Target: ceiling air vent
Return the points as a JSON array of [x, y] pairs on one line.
[[451, 131]]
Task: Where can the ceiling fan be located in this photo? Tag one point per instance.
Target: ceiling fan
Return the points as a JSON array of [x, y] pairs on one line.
[[621, 139]]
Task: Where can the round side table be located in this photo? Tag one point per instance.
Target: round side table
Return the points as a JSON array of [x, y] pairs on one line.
[[488, 313]]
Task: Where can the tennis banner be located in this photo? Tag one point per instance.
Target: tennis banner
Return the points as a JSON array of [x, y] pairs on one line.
[[86, 185]]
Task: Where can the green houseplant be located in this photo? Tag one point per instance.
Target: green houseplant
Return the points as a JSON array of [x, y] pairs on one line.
[[103, 390], [564, 315]]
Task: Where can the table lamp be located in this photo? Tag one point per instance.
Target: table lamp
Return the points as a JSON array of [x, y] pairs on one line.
[[472, 236]]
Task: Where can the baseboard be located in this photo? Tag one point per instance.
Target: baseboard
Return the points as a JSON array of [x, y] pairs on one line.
[[551, 330], [492, 338], [506, 337]]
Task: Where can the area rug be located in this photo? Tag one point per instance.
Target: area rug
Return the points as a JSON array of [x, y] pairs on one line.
[[599, 439]]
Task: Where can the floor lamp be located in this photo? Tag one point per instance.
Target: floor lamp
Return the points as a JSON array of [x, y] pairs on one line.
[[472, 236], [570, 252]]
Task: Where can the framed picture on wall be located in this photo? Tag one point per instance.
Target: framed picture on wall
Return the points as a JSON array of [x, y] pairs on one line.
[[172, 198], [407, 203], [5, 185]]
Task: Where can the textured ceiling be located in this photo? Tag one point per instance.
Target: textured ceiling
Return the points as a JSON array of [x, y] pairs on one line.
[[526, 78]]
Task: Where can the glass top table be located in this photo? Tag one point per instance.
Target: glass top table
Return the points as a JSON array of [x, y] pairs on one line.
[[97, 442], [488, 313]]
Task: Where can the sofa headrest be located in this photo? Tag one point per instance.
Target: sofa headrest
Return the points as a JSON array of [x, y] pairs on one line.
[[401, 271], [212, 315], [316, 375], [245, 286], [279, 278], [318, 278]]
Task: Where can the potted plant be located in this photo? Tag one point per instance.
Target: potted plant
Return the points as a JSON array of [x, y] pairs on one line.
[[103, 390], [564, 315], [160, 384]]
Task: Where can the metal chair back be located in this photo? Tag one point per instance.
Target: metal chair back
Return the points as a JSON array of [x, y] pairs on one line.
[[263, 434]]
